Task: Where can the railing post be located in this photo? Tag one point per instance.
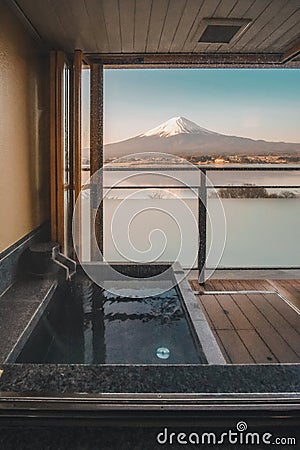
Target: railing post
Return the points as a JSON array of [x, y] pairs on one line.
[[202, 203]]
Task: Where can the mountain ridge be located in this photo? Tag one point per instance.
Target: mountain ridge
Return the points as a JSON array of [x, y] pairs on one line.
[[182, 137], [177, 125]]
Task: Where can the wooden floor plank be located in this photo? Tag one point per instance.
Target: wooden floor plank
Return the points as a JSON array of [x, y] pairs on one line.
[[257, 347], [254, 328], [285, 310], [228, 285], [296, 287], [222, 348], [297, 284], [233, 312], [288, 333], [231, 285], [289, 287], [216, 313], [266, 285], [283, 289], [267, 332], [209, 286], [241, 286], [249, 285], [236, 350], [294, 282], [202, 306], [195, 285], [253, 285], [217, 285]]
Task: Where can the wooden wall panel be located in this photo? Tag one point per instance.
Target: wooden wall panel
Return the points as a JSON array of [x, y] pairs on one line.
[[257, 26], [60, 60], [76, 129], [112, 23], [207, 10], [174, 14], [274, 24], [157, 20], [127, 17], [90, 17], [141, 24], [77, 68], [186, 23], [53, 169]]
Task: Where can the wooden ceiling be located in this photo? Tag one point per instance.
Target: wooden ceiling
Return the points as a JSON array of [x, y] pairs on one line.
[[161, 26]]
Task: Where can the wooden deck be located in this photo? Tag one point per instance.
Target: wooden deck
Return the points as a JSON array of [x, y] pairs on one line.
[[254, 328]]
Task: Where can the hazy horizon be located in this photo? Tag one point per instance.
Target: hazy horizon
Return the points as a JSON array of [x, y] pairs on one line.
[[213, 130]]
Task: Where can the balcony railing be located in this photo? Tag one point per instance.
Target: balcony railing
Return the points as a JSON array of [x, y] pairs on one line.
[[225, 217]]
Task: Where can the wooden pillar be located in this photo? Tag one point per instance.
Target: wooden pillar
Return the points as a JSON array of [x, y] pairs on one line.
[[96, 159], [76, 126], [57, 149], [53, 140]]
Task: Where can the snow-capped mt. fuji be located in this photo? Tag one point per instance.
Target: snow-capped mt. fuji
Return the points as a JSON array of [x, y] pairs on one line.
[[176, 125], [182, 137]]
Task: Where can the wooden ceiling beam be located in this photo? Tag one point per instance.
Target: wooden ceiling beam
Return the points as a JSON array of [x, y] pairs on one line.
[[186, 59], [291, 53]]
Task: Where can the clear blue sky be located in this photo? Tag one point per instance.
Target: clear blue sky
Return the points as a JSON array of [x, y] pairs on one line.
[[260, 104]]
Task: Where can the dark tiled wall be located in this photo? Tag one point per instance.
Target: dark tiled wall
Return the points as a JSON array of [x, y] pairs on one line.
[[9, 258]]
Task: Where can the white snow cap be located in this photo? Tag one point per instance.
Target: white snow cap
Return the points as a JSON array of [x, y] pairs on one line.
[[176, 125]]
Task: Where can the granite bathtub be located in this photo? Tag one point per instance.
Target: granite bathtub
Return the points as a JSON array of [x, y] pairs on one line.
[[136, 314]]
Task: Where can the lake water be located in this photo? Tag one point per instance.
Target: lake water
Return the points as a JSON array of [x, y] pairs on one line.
[[162, 224]]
